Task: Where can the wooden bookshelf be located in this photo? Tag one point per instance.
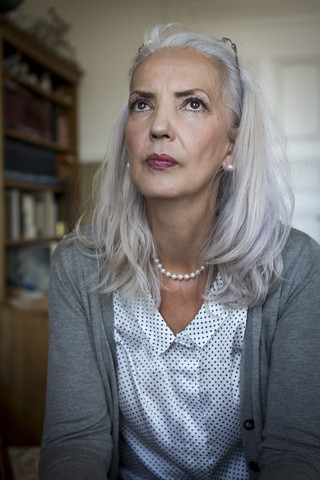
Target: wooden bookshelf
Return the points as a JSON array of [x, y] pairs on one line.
[[33, 186], [65, 101], [38, 204], [33, 140]]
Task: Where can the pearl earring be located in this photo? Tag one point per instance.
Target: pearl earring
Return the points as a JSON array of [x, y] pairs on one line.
[[128, 165], [230, 167]]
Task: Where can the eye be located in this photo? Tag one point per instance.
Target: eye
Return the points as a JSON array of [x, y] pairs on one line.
[[195, 105], [139, 105]]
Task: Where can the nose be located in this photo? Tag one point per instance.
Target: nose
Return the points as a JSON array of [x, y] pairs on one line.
[[161, 126]]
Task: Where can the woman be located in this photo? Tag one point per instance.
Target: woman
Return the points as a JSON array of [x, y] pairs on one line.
[[185, 322]]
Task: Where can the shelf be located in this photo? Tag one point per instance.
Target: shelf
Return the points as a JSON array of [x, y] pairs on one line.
[[41, 142], [39, 53], [66, 101], [32, 241], [26, 186]]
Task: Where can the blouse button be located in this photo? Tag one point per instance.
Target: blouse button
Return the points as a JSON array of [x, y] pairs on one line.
[[249, 424], [254, 466]]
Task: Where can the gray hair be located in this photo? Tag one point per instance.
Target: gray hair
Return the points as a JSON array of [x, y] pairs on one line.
[[255, 202]]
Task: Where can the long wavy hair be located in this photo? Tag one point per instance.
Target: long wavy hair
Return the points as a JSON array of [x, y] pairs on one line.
[[252, 217]]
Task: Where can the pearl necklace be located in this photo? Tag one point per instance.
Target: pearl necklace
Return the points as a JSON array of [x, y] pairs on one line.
[[173, 276]]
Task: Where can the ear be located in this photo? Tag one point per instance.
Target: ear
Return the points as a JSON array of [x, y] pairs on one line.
[[226, 164], [227, 159], [235, 132]]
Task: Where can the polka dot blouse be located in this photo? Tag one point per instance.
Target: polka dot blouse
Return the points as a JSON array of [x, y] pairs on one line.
[[179, 394]]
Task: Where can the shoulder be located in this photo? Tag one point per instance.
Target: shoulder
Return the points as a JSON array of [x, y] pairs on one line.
[[300, 250], [300, 278], [298, 240], [73, 258]]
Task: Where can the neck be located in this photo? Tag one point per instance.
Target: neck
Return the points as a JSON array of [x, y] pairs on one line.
[[179, 232]]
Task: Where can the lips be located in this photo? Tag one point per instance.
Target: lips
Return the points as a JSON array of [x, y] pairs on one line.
[[160, 161]]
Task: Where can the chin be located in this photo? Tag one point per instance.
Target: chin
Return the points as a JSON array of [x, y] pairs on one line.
[[155, 190]]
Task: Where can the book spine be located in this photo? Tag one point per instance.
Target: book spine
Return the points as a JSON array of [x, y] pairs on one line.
[[13, 214], [28, 207], [51, 216]]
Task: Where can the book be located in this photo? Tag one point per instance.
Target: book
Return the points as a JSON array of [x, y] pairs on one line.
[[62, 125], [13, 215], [31, 215], [30, 163], [28, 219], [28, 114], [47, 214]]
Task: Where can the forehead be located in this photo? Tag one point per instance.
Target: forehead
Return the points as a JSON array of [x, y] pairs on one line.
[[183, 67]]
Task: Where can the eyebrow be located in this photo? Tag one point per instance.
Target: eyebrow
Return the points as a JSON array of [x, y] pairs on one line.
[[179, 94], [192, 91], [143, 94]]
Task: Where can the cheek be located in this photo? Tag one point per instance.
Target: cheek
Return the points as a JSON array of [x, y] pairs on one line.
[[133, 138], [216, 142], [129, 139], [203, 142]]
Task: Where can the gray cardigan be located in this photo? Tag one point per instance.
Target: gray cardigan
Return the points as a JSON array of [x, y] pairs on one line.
[[280, 383]]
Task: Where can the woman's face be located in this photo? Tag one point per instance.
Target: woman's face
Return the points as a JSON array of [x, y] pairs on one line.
[[176, 132]]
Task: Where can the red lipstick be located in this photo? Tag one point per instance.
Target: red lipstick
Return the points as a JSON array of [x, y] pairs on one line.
[[160, 161]]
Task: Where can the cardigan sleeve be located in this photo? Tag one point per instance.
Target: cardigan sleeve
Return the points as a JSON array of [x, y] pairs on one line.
[[77, 440], [291, 446]]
